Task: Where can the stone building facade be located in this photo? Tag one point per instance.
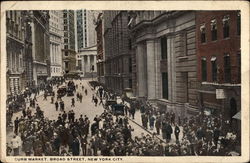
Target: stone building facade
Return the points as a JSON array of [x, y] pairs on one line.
[[117, 57], [40, 46], [219, 62], [85, 28], [100, 50], [86, 59], [69, 50], [165, 57], [15, 47], [56, 42]]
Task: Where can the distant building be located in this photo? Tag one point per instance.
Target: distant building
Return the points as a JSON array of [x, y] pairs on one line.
[[56, 42], [40, 46], [100, 50], [219, 62], [69, 49], [86, 59], [118, 65], [85, 28], [15, 29], [164, 55]]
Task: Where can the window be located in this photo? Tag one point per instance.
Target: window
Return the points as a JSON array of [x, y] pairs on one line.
[[204, 69], [66, 65], [238, 23], [65, 46], [214, 29], [184, 38], [225, 22], [130, 65], [203, 33], [214, 69], [66, 54], [130, 83], [164, 53], [129, 44], [239, 67], [227, 68], [164, 85]]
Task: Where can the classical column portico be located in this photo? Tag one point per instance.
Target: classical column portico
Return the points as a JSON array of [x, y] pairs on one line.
[[151, 69], [88, 63], [141, 68]]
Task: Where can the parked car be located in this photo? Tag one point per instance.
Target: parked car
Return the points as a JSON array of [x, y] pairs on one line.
[[61, 91], [118, 109]]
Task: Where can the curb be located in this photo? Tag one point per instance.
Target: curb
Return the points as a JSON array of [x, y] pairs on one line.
[[147, 130]]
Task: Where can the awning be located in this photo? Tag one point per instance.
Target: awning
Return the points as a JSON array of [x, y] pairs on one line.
[[237, 116]]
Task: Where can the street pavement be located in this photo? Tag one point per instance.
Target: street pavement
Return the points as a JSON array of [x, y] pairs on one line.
[[87, 107]]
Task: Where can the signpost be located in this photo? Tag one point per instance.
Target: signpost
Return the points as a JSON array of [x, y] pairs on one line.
[[220, 94]]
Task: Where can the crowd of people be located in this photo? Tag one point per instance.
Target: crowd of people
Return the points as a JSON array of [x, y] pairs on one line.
[[111, 135]]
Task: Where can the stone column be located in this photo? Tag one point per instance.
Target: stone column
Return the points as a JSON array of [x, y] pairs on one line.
[[141, 75], [151, 69], [88, 63], [94, 63], [158, 84]]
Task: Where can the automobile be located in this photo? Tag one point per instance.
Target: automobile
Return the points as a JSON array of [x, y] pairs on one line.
[[61, 91], [50, 91], [127, 95], [70, 92], [118, 109], [109, 103]]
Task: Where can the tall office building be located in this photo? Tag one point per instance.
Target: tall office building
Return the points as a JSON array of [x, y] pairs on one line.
[[56, 42], [85, 28], [69, 53], [86, 41], [40, 46]]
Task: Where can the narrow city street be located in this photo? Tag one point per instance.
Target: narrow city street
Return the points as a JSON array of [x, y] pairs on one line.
[[87, 107], [123, 83]]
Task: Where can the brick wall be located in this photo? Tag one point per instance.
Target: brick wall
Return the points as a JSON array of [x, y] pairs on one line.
[[219, 47]]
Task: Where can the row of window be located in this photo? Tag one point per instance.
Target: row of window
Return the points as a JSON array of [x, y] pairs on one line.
[[55, 70], [226, 28], [217, 71]]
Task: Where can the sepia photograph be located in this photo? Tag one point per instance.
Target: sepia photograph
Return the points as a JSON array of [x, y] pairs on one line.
[[122, 83]]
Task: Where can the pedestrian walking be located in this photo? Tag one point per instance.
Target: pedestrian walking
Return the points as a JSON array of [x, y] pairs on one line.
[[24, 112], [45, 96], [75, 147], [15, 143], [73, 102], [132, 111], [84, 143], [61, 106], [95, 101], [151, 122], [52, 99], [177, 132], [16, 124], [158, 124], [169, 131], [56, 105], [80, 97], [101, 101]]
